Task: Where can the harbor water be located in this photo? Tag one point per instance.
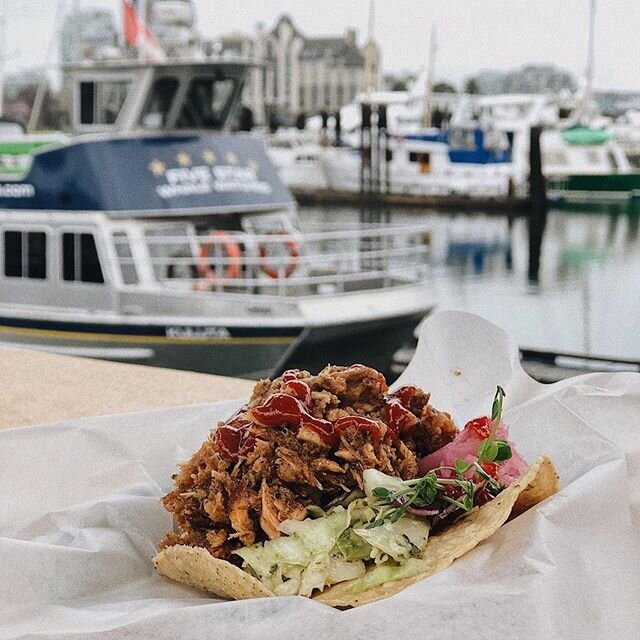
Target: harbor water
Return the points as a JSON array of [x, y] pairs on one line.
[[585, 302]]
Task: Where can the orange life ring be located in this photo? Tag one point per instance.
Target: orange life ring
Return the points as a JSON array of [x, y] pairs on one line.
[[232, 253], [294, 253]]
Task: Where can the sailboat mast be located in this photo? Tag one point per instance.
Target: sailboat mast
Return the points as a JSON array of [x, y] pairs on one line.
[[589, 71], [431, 67]]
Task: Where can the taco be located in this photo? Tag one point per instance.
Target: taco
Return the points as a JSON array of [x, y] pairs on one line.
[[332, 487]]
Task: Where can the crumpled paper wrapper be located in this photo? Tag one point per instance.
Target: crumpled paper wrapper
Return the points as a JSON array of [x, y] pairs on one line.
[[80, 517]]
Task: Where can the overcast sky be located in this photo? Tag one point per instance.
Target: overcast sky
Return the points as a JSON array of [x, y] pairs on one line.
[[472, 34]]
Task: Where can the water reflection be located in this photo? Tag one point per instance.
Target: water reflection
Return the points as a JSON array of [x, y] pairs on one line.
[[586, 299]]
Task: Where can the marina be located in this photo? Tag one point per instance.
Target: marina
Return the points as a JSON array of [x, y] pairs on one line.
[[186, 215], [319, 320]]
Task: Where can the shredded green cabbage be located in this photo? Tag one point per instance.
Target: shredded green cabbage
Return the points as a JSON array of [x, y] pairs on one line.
[[316, 553]]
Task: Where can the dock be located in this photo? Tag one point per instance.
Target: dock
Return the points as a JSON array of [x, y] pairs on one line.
[[409, 201]]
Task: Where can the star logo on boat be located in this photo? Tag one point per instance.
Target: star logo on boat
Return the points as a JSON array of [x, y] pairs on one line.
[[184, 159], [208, 156], [253, 165], [157, 168], [231, 158]]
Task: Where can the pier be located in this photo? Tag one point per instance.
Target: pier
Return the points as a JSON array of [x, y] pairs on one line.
[[409, 201]]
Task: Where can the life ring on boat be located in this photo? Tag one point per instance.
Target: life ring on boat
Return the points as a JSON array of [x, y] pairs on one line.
[[232, 253], [292, 249]]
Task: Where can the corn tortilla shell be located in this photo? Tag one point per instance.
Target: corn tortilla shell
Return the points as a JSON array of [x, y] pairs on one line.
[[198, 568]]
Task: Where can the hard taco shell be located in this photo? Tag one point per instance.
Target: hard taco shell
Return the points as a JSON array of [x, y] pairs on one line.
[[198, 568]]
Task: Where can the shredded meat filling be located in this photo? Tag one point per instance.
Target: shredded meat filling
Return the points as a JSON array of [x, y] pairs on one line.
[[223, 502]]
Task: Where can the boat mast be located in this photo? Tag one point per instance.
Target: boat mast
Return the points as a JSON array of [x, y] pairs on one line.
[[427, 110], [588, 88], [3, 50], [142, 15], [370, 71]]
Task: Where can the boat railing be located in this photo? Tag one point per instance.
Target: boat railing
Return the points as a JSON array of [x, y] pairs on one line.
[[290, 264]]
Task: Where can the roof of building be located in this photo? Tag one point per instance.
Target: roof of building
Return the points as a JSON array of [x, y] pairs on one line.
[[339, 49]]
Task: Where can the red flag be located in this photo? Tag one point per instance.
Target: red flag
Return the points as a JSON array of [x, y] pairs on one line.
[[137, 34]]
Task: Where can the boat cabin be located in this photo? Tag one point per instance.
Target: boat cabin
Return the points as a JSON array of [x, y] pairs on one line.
[[126, 97], [582, 151]]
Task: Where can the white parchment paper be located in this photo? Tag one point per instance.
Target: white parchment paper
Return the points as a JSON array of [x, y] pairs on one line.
[[80, 517]]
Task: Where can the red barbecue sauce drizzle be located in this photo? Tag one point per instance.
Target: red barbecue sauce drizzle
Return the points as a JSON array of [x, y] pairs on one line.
[[397, 413], [299, 388], [233, 438], [281, 409], [373, 427]]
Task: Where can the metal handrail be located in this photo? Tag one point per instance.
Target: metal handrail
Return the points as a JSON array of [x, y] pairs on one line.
[[372, 257]]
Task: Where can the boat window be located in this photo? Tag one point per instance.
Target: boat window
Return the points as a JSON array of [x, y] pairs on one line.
[[125, 257], [462, 139], [556, 158], [280, 144], [80, 262], [593, 157], [170, 251], [207, 103], [613, 161], [415, 156], [101, 102], [158, 105], [25, 254]]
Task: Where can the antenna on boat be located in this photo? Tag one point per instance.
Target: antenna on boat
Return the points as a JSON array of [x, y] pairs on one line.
[[3, 49], [431, 66], [42, 85]]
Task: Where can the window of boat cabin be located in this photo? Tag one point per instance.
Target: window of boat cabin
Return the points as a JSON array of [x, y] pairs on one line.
[[80, 261], [171, 251], [421, 157], [592, 156], [25, 254], [158, 104], [207, 103], [462, 139], [125, 257], [102, 100]]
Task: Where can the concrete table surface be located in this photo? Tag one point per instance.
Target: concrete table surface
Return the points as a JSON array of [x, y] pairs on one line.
[[38, 387]]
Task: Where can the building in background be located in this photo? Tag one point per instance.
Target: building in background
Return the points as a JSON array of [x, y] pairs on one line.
[[531, 78], [174, 26], [89, 33], [300, 75]]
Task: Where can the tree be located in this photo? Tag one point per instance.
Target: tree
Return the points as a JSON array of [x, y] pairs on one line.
[[443, 87], [471, 86], [399, 85]]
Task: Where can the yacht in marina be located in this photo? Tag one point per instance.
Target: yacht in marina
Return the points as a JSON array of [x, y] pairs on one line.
[[417, 166], [150, 233]]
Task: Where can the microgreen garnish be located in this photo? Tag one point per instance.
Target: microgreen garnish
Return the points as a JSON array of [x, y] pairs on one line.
[[490, 449], [428, 494], [445, 491]]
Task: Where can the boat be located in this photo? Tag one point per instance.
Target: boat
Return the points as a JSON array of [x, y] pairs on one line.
[[416, 167], [150, 233], [296, 156], [587, 164]]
